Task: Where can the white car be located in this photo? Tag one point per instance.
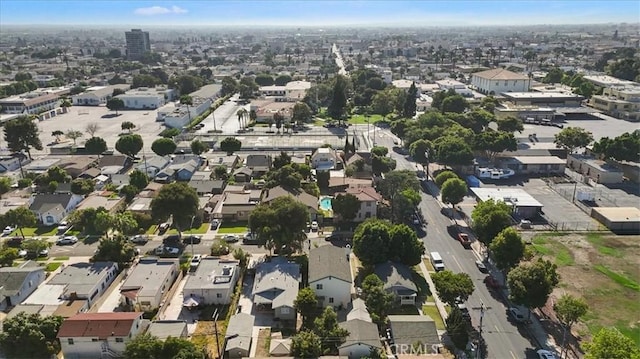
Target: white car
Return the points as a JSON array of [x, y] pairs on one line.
[[8, 230], [517, 315], [231, 238], [63, 226], [545, 354], [195, 261], [172, 250], [314, 226], [67, 240], [43, 253], [22, 253]]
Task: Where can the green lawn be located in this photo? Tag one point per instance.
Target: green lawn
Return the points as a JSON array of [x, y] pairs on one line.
[[200, 230], [50, 267], [232, 227], [544, 246], [362, 120], [433, 312], [404, 310], [37, 231]]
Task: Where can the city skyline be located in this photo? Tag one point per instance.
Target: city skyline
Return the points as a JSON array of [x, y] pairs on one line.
[[317, 13]]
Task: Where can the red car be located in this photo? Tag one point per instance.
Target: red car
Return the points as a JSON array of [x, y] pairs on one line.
[[464, 239], [491, 282]]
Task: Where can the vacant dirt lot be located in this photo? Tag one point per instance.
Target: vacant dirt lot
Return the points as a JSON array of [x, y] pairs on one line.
[[602, 269]]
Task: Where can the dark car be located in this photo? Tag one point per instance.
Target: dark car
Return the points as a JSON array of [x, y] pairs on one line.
[[333, 237], [491, 282], [192, 240], [172, 240]]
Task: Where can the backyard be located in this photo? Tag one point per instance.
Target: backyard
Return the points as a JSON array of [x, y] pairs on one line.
[[603, 270]]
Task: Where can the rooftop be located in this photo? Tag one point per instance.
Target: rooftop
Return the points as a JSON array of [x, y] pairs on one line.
[[540, 95], [328, 261], [101, 325], [167, 328], [212, 273], [619, 214], [149, 275], [512, 196], [276, 282], [500, 74], [81, 278]]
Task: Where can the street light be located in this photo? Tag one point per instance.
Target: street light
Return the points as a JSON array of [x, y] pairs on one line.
[[426, 156]]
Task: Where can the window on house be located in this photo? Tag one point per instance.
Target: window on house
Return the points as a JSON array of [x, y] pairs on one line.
[[94, 339], [70, 341], [218, 295], [368, 203], [319, 286], [330, 300], [119, 340], [285, 310]]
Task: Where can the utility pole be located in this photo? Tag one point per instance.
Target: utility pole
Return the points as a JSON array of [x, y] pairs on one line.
[[482, 310], [215, 328]]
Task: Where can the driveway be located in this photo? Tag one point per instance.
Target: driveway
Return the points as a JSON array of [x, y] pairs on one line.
[[175, 310], [262, 320]]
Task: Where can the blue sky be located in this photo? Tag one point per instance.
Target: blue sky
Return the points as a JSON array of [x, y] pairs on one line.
[[317, 13]]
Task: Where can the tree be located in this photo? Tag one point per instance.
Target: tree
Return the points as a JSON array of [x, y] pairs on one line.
[[281, 160], [186, 84], [490, 218], [138, 179], [453, 151], [330, 333], [21, 134], [346, 206], [264, 80], [74, 135], [569, 310], [229, 86], [84, 220], [82, 186], [495, 142], [30, 336], [572, 138], [35, 246], [118, 91], [452, 286], [404, 246], [221, 173], [230, 145], [337, 107], [622, 148], [611, 344], [379, 151], [281, 224], [127, 126], [146, 346], [57, 134], [457, 328], [530, 284], [306, 344], [176, 200], [510, 124], [282, 80], [392, 187], [92, 128], [553, 76], [443, 176], [278, 118], [129, 145], [453, 191], [198, 147], [455, 103], [301, 112], [5, 185], [95, 146], [370, 241], [187, 101], [115, 104], [382, 103], [118, 249], [507, 249], [420, 150], [7, 256], [377, 300], [247, 87], [21, 217], [306, 304], [409, 108], [163, 146], [129, 192], [242, 117]]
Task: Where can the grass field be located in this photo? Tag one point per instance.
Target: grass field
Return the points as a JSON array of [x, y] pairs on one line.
[[362, 120], [603, 270], [432, 311], [50, 267], [232, 228]]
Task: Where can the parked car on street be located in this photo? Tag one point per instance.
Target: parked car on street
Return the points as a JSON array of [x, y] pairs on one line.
[[192, 239], [8, 230], [230, 238], [215, 224], [464, 240], [491, 282], [63, 227], [546, 354], [64, 240], [517, 315], [481, 266], [314, 226], [139, 239], [195, 262]]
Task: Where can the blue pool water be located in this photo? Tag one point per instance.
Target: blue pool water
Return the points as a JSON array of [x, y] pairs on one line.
[[325, 203]]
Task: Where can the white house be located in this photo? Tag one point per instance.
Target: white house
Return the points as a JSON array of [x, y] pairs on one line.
[[212, 283], [52, 208], [16, 284], [296, 90], [497, 81], [85, 280], [275, 287], [457, 86], [35, 102], [330, 276], [96, 96], [324, 159], [179, 116], [148, 281], [98, 335], [144, 98]]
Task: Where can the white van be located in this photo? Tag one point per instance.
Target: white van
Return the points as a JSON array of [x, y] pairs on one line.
[[436, 261]]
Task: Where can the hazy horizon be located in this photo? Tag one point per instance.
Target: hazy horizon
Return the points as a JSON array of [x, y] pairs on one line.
[[316, 13]]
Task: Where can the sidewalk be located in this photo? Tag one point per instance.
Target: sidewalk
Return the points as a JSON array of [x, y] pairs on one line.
[[441, 308]]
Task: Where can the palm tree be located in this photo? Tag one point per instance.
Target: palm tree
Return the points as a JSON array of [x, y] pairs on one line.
[[242, 114], [188, 101]]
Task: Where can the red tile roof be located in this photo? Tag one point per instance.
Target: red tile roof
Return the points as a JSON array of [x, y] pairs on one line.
[[101, 325]]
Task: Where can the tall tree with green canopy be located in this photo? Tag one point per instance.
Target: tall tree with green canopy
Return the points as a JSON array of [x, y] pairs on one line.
[[377, 300], [451, 286], [21, 217], [507, 249], [146, 346], [306, 304], [338, 106], [392, 186], [115, 104], [409, 108], [530, 284], [404, 246], [457, 328], [163, 146], [494, 142], [95, 146], [129, 145], [510, 124], [572, 138], [569, 310], [346, 206], [5, 185], [138, 179], [306, 344], [30, 336], [622, 148], [21, 134], [490, 218], [198, 147], [330, 333], [176, 200], [230, 145], [455, 103], [117, 249], [281, 224], [610, 343], [443, 176], [453, 191], [370, 242], [453, 151]]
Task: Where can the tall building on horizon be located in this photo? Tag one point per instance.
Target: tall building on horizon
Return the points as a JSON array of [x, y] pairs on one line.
[[137, 43]]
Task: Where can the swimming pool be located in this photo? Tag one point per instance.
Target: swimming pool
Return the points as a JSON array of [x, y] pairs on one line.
[[325, 203]]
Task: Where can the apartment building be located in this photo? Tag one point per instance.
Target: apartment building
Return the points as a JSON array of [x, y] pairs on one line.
[[497, 81], [137, 43], [622, 101]]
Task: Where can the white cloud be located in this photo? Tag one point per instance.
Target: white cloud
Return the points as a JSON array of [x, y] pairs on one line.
[[159, 10]]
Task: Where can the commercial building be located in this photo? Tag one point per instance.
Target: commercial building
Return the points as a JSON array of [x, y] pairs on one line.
[[137, 43], [457, 86], [96, 96], [523, 205], [293, 91], [607, 81], [145, 98], [534, 165], [41, 102], [619, 101], [596, 170], [498, 81], [621, 220]]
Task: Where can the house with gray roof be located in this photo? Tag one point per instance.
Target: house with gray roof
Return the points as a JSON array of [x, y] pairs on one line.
[[406, 330], [362, 339], [205, 186], [148, 281], [181, 168], [397, 279], [151, 165], [163, 329], [238, 336], [359, 310], [275, 287], [84, 280], [16, 284], [330, 276], [52, 208], [212, 283], [310, 201]]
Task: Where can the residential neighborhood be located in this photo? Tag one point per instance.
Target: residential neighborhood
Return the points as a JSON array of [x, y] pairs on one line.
[[176, 190]]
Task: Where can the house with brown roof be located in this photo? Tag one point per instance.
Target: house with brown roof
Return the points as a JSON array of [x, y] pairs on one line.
[[310, 201], [75, 165], [237, 206], [98, 335], [369, 200]]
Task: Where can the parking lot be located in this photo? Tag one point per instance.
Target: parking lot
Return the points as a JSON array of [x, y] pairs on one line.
[[109, 128], [605, 127]]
